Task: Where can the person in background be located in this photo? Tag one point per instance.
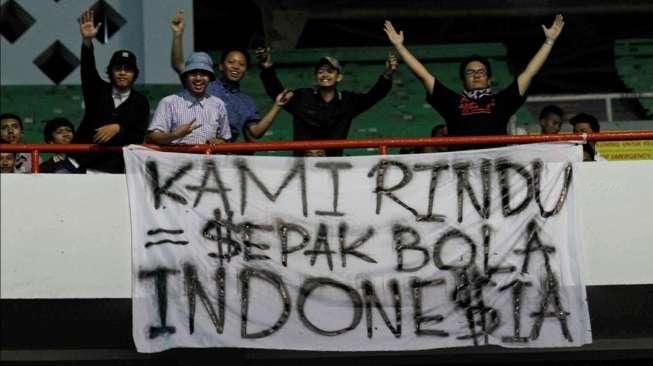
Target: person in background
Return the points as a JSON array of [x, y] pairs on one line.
[[437, 131], [550, 120], [116, 114], [59, 131], [316, 153], [11, 132], [586, 123], [7, 162]]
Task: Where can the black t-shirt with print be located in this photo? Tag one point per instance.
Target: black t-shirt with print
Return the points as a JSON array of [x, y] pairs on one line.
[[466, 117]]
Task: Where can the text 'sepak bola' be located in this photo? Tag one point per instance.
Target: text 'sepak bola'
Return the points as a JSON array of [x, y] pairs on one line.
[[353, 254]]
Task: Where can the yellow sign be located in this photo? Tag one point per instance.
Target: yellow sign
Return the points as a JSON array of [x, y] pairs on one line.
[[626, 150]]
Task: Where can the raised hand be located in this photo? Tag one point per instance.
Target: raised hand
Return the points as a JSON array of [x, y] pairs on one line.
[[391, 64], [185, 129], [86, 26], [264, 57], [397, 39], [555, 29], [284, 97], [177, 23]]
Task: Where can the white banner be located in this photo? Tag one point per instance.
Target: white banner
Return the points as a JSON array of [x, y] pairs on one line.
[[357, 254]]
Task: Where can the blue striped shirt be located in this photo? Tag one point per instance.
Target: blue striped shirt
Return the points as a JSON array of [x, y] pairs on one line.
[[209, 112]]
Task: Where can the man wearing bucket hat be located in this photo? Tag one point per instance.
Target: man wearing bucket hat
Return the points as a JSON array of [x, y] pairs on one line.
[[234, 62], [191, 116], [323, 112], [116, 114]]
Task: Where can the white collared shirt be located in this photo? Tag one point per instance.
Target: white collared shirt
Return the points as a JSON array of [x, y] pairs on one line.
[[119, 97]]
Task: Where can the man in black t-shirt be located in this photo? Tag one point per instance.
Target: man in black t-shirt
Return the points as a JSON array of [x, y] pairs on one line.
[[477, 111], [323, 112]]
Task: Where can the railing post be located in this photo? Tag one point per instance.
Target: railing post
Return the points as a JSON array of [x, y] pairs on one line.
[[383, 150], [35, 161]]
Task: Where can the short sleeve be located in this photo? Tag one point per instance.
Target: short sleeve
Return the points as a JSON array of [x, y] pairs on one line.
[[511, 99], [162, 119]]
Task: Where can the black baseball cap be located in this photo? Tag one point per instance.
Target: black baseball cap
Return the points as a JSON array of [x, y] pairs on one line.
[[123, 57]]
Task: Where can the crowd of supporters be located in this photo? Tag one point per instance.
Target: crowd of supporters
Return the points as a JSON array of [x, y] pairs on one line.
[[211, 109]]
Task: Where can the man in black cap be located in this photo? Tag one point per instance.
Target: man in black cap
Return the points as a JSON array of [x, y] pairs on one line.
[[323, 112], [116, 115]]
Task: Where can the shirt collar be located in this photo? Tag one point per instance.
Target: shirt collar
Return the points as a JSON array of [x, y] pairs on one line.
[[118, 94], [193, 100], [316, 92], [230, 86]]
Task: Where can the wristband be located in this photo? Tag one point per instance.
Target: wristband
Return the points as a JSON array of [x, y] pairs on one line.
[[549, 42]]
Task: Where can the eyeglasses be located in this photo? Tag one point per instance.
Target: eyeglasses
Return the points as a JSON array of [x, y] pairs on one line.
[[479, 72]]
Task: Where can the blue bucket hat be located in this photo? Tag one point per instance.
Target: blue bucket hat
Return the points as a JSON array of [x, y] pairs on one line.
[[199, 61]]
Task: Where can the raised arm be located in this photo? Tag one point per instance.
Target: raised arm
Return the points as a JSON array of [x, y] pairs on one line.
[[416, 67], [379, 90], [91, 79], [257, 130], [536, 63], [271, 82], [177, 51], [87, 29]]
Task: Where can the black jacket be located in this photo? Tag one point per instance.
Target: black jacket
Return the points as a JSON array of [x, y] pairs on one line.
[[315, 119], [132, 116]]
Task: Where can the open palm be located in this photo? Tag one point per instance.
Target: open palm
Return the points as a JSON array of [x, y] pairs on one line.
[[555, 29], [86, 26], [394, 37]]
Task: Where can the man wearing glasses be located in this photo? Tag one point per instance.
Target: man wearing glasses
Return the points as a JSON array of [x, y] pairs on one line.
[[477, 111]]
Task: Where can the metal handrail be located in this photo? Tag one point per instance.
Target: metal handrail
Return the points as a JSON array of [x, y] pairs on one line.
[[381, 144]]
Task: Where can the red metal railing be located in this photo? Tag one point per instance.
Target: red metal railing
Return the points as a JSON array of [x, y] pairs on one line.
[[381, 144]]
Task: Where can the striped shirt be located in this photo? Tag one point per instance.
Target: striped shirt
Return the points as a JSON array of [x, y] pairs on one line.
[[209, 112]]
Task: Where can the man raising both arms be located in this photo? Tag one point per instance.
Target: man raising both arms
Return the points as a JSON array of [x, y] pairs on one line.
[[323, 112], [477, 111]]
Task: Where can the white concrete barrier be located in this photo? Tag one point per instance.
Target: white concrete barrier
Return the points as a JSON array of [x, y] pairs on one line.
[[68, 236]]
